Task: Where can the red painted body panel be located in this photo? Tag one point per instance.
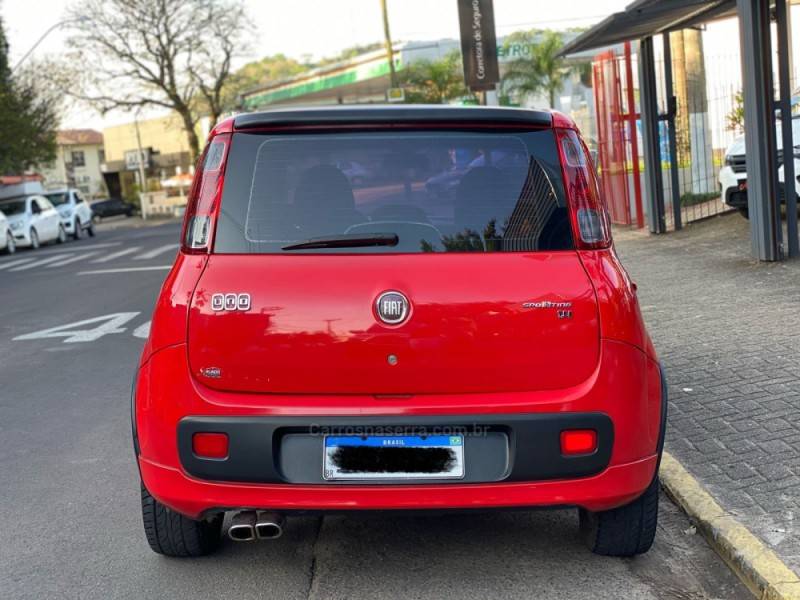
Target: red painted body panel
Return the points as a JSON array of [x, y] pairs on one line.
[[312, 330]]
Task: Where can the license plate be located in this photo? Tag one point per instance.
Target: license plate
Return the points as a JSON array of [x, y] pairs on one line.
[[393, 457]]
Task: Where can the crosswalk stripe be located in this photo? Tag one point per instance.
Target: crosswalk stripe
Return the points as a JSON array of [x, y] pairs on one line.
[[156, 251], [39, 263], [117, 254], [14, 263], [126, 270], [71, 259]]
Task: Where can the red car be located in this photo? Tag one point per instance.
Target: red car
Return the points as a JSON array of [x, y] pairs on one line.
[[323, 347]]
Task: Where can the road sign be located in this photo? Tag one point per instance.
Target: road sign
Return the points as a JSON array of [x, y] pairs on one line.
[[478, 44], [395, 95]]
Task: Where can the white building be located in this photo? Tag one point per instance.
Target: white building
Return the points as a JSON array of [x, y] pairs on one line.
[[77, 164]]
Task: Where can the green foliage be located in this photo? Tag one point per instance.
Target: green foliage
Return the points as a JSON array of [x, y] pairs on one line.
[[28, 119], [691, 198], [434, 82], [543, 71], [735, 118], [259, 73], [349, 53]]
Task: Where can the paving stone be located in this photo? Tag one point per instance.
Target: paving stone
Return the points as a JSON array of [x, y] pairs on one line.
[[728, 327]]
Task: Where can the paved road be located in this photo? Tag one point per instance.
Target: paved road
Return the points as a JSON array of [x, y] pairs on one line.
[[69, 496]]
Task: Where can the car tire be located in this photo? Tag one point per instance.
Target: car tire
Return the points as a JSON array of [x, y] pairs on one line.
[[745, 212], [34, 239], [11, 244], [171, 534], [625, 531], [78, 234], [62, 235], [90, 229]]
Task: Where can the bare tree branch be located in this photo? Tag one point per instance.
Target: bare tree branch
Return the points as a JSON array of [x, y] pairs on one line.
[[174, 54]]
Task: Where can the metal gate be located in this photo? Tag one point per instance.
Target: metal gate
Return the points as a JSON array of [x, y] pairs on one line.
[[611, 147]]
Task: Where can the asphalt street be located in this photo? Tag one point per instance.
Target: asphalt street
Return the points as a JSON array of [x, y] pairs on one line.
[[73, 322]]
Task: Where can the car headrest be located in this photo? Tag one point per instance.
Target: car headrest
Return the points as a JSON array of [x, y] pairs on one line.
[[323, 187]]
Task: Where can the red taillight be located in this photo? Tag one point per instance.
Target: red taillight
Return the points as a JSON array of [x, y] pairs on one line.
[[204, 196], [578, 441], [589, 216], [210, 445]]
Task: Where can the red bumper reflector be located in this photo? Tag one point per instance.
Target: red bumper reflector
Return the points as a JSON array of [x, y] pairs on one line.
[[210, 445], [578, 441]]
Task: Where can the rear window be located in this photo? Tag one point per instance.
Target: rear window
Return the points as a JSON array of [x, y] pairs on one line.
[[435, 191]]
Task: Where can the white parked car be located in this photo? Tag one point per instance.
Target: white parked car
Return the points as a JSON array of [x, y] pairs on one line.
[[33, 220], [7, 243], [76, 215], [733, 175]]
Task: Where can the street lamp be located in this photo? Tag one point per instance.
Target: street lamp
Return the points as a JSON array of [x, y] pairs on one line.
[[81, 19]]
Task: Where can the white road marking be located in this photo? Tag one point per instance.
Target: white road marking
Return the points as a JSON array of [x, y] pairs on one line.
[[142, 331], [39, 263], [156, 251], [110, 324], [94, 246], [71, 259], [126, 270], [117, 254], [13, 263]]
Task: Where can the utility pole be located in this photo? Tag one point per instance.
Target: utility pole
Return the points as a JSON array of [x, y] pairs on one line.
[[140, 162], [387, 37]]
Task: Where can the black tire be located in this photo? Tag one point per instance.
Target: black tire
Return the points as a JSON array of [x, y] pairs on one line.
[[171, 534], [625, 531], [78, 234], [34, 239], [90, 229], [11, 243], [62, 235], [745, 212]]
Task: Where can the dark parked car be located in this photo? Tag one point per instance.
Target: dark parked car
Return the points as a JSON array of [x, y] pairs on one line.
[[111, 208]]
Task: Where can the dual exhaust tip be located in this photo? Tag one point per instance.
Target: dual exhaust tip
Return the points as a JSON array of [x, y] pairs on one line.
[[249, 525]]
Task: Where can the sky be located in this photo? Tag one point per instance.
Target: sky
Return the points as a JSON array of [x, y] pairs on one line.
[[313, 28]]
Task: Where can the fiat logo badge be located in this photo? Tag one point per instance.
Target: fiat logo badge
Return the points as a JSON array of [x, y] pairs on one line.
[[392, 307]]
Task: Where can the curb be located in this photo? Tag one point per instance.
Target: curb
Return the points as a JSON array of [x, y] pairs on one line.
[[757, 566]]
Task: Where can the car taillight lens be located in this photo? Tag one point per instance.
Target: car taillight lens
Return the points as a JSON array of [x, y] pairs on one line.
[[575, 442], [589, 215], [204, 196]]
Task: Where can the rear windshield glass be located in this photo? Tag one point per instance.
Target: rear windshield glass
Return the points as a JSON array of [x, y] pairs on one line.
[[432, 191]]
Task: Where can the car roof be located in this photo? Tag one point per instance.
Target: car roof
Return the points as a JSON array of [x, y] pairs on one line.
[[392, 114]]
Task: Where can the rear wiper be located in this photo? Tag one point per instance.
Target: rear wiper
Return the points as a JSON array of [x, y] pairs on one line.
[[348, 240]]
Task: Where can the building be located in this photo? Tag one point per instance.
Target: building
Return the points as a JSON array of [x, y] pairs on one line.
[[165, 149], [79, 154], [20, 185]]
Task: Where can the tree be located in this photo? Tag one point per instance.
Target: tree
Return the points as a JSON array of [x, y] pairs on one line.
[[259, 73], [735, 118], [174, 54], [434, 82], [544, 71], [28, 118]]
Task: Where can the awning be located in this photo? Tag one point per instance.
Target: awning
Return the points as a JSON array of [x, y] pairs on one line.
[[645, 18]]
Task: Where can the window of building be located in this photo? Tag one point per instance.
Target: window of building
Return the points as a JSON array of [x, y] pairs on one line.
[[78, 158]]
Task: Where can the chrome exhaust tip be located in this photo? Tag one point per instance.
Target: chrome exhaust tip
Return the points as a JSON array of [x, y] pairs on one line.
[[269, 526], [243, 526]]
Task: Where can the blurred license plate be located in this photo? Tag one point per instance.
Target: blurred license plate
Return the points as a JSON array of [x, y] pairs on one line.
[[393, 457]]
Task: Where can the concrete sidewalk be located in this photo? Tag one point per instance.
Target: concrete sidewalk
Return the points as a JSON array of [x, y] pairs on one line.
[[727, 329]]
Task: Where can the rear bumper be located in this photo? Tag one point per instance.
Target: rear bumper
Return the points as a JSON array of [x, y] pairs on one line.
[[622, 400], [613, 487]]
